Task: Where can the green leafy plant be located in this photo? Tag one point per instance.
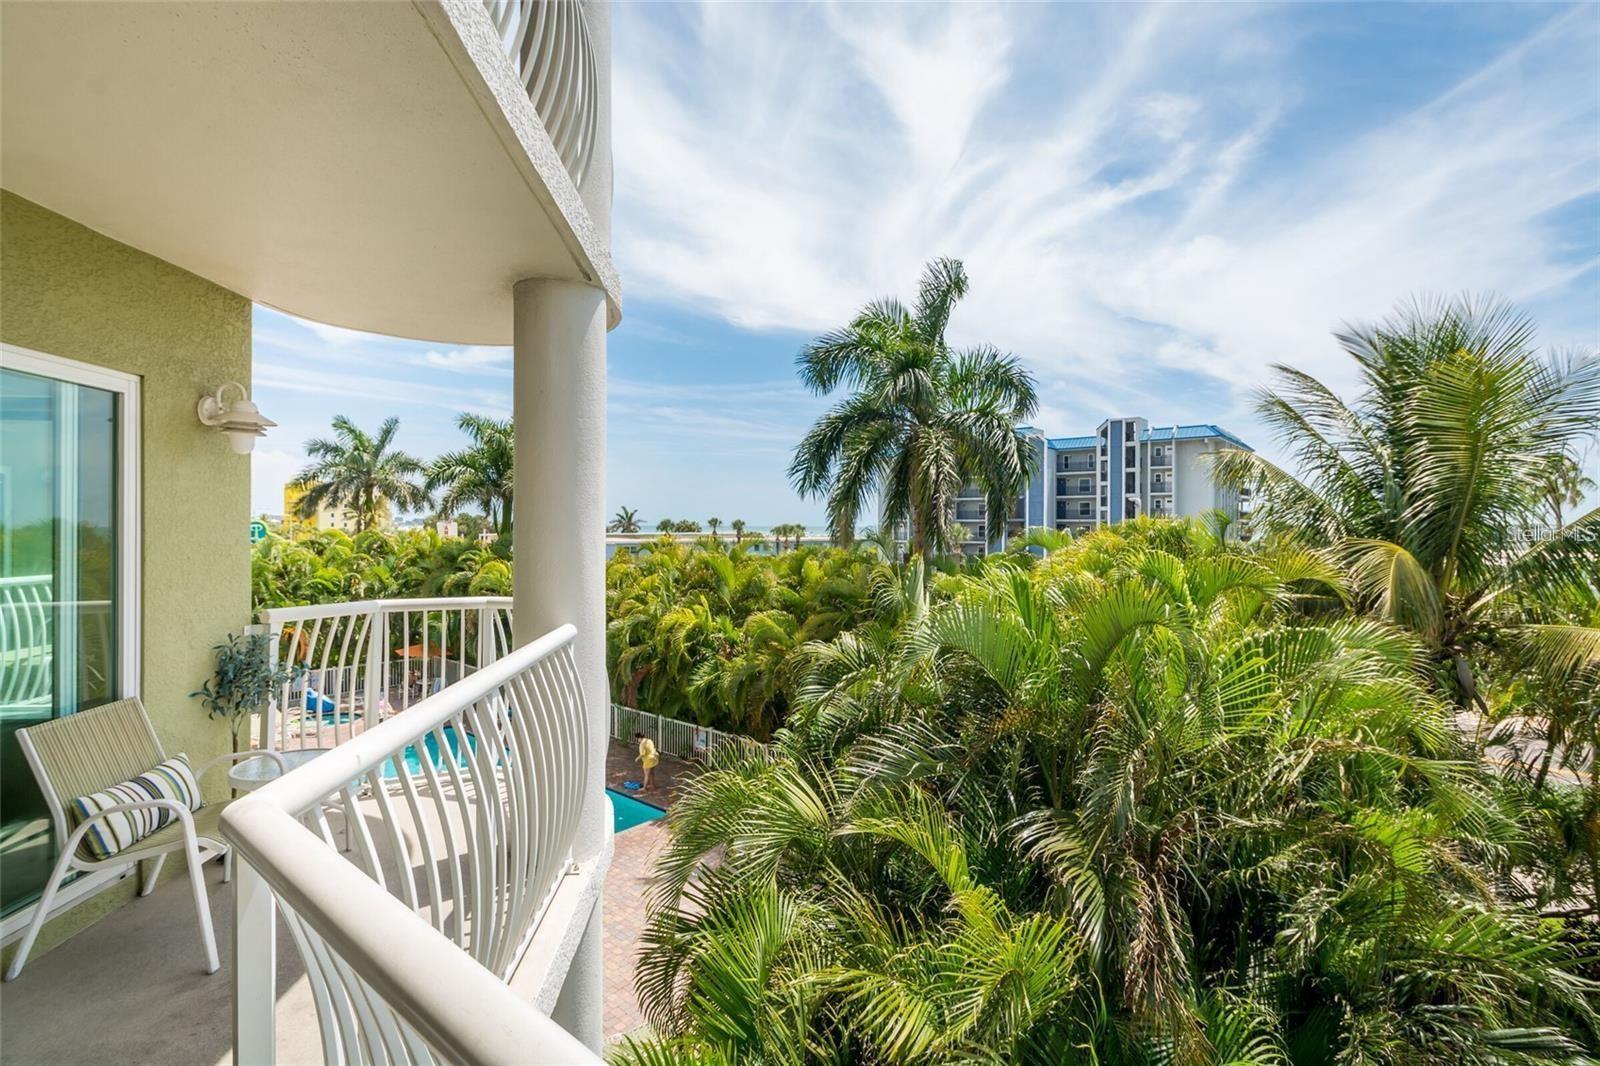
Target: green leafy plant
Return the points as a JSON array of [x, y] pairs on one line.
[[244, 680]]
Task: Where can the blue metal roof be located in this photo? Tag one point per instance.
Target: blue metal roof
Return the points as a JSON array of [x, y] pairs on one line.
[[1202, 431], [1199, 432]]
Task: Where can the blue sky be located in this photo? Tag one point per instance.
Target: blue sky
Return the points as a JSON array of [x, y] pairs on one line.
[[1154, 204]]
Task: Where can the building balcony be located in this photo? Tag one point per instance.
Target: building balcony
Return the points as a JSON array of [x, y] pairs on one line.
[[440, 151], [420, 888], [1162, 462], [412, 886]]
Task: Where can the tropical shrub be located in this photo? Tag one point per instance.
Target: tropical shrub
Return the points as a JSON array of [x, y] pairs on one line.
[[1156, 799], [332, 567], [706, 632]]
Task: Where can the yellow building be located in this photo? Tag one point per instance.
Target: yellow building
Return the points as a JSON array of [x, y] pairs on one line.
[[327, 517]]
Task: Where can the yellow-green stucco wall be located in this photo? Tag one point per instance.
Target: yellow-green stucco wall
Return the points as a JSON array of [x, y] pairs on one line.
[[68, 291]]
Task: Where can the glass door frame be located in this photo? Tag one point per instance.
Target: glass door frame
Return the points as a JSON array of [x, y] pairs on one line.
[[126, 387]]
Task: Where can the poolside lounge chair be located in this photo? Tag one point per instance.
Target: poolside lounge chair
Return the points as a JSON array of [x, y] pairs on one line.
[[93, 750]]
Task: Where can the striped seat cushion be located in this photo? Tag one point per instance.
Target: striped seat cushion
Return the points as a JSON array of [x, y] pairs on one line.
[[171, 780]]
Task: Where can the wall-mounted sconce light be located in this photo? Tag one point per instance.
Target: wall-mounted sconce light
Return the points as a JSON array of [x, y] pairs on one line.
[[240, 421]]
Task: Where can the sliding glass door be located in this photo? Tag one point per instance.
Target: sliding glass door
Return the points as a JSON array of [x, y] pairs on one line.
[[63, 618]]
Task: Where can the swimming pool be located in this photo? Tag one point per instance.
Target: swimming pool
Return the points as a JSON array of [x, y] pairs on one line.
[[414, 763], [627, 812]]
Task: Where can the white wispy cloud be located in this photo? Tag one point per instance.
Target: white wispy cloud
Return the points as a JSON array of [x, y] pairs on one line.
[[334, 335], [477, 359], [378, 392], [1121, 182]]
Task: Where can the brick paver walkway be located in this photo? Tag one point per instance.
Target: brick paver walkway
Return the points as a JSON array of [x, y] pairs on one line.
[[628, 881]]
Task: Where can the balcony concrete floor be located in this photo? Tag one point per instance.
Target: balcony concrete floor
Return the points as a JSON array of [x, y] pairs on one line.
[[132, 988]]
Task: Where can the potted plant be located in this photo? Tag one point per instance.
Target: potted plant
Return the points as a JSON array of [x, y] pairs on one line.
[[244, 682]]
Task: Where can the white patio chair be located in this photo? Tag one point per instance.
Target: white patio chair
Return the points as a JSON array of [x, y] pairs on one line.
[[79, 754]]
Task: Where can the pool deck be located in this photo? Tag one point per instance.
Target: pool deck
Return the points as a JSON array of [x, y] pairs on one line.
[[622, 765], [628, 881]]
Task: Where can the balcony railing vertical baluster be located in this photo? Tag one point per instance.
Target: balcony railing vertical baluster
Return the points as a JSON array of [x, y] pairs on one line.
[[549, 47], [351, 677], [487, 778]]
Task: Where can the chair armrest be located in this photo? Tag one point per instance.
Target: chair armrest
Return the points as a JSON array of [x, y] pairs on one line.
[[71, 845], [240, 756]]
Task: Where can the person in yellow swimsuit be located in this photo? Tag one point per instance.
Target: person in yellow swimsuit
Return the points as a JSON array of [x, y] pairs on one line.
[[647, 759]]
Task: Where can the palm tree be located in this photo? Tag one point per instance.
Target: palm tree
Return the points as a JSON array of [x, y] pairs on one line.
[[922, 419], [1565, 486], [357, 471], [714, 524], [737, 525], [626, 520], [881, 539], [480, 473], [1428, 485], [666, 525]]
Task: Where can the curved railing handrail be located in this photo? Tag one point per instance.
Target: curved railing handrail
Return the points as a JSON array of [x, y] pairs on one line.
[[499, 758], [462, 1011], [306, 612]]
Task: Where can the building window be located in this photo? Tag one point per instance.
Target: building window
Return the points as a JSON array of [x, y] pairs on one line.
[[1127, 431], [1061, 486], [1083, 485], [69, 472], [1085, 509]]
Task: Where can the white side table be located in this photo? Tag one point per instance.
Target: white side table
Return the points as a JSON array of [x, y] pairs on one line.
[[250, 774]]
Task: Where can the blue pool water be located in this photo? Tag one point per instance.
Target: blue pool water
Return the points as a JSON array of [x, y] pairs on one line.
[[414, 764], [627, 812]]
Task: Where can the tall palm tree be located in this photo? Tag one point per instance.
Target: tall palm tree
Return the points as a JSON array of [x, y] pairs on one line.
[[713, 524], [666, 525], [922, 419], [737, 525], [1430, 482], [1565, 486], [480, 473], [356, 470], [626, 520]]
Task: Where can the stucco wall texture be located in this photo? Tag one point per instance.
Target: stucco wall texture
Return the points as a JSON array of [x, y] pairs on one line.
[[68, 291]]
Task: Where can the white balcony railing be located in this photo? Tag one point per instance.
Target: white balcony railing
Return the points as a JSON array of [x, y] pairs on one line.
[[360, 662], [461, 815], [550, 49], [40, 636], [27, 622]]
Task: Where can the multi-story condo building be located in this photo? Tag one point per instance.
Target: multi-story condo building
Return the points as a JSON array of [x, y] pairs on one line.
[[1123, 470]]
